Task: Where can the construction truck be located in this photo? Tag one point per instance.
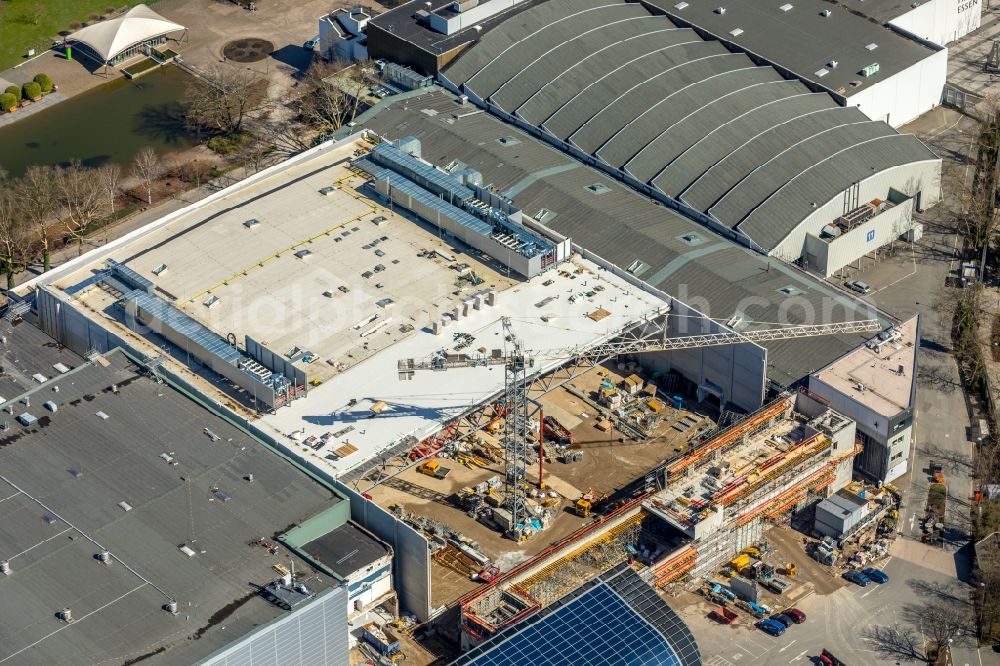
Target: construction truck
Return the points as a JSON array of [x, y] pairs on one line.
[[434, 468], [790, 569], [589, 502]]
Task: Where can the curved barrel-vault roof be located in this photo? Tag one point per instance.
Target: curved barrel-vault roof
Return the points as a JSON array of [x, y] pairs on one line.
[[705, 126]]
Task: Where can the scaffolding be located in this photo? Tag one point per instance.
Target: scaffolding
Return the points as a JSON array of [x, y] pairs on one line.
[[774, 468], [730, 437], [591, 559]]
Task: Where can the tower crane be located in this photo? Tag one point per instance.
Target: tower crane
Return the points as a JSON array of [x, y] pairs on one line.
[[520, 365]]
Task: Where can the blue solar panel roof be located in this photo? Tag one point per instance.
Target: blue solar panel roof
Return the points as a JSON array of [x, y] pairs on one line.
[[398, 182], [389, 155], [617, 619], [156, 307]]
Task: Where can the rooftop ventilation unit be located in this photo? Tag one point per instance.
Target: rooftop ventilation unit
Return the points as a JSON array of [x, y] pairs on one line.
[[681, 5], [736, 32], [720, 10], [822, 72], [872, 46], [832, 64], [787, 7], [825, 13]]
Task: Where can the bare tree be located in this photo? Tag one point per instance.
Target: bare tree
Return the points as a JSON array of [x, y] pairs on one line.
[[147, 167], [109, 176], [224, 99], [33, 195], [895, 643], [942, 621], [15, 234], [81, 197], [325, 104], [254, 152]]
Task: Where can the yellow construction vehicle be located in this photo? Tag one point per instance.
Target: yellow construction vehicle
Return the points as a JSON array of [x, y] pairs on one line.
[[790, 570], [433, 468], [740, 562], [588, 502]]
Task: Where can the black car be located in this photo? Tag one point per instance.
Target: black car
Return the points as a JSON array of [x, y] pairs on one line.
[[783, 619]]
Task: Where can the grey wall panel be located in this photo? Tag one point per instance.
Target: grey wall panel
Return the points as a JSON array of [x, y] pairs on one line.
[[313, 635], [411, 564]]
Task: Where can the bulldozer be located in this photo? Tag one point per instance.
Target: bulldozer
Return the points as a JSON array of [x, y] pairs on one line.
[[588, 502]]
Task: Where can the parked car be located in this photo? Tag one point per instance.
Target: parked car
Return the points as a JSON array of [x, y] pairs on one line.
[[826, 657], [311, 44], [772, 627], [876, 575], [797, 616], [859, 286], [857, 578], [783, 619]]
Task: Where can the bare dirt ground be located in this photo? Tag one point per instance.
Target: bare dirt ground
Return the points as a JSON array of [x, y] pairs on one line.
[[606, 467], [287, 24]]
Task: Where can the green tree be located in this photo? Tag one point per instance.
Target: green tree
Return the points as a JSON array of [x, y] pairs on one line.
[[14, 90], [8, 102], [44, 82], [31, 90]]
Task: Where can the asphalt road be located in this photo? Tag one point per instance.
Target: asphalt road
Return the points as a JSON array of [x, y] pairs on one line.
[[841, 622], [909, 281]]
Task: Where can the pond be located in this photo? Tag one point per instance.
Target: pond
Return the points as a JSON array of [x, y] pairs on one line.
[[110, 123]]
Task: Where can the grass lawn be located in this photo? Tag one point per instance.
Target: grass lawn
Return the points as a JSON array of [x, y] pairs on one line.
[[35, 23]]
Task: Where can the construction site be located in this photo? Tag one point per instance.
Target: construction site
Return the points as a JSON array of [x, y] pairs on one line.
[[593, 457], [711, 502], [499, 405]]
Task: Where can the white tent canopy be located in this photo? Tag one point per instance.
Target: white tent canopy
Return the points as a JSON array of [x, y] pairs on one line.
[[109, 38]]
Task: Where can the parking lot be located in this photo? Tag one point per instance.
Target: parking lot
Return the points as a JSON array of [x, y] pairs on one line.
[[909, 280], [838, 621]]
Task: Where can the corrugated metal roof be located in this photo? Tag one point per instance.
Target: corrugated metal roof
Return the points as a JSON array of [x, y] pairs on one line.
[[786, 165], [653, 35], [501, 36], [677, 105], [685, 132], [632, 102], [758, 149], [529, 80], [595, 96], [715, 145], [537, 42], [737, 131], [621, 226], [772, 220]]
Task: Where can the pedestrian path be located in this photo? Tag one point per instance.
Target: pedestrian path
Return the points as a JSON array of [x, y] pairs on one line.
[[49, 100]]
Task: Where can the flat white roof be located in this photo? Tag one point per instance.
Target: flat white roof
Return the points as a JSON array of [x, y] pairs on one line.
[[295, 278], [267, 291], [886, 375], [420, 406]]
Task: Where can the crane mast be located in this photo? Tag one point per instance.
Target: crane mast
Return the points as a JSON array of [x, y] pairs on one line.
[[519, 369]]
